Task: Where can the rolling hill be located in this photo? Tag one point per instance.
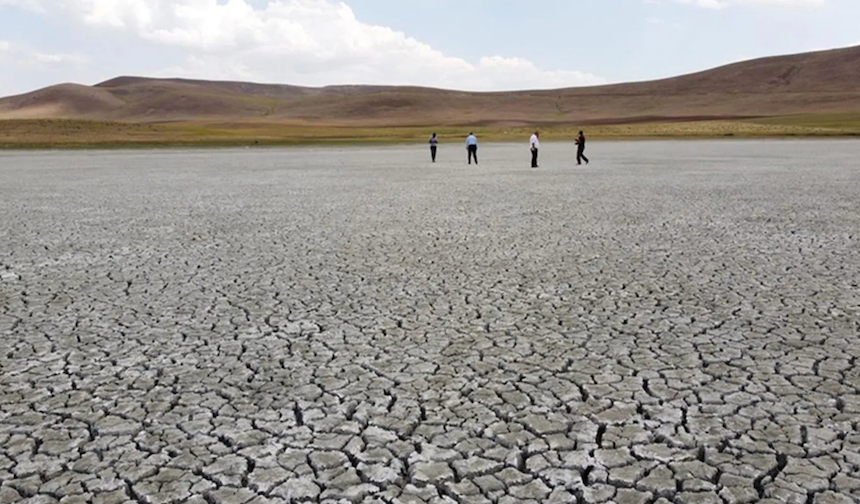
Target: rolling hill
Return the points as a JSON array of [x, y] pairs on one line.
[[810, 83]]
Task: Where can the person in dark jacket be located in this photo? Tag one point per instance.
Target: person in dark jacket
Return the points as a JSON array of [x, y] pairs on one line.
[[434, 141], [580, 149]]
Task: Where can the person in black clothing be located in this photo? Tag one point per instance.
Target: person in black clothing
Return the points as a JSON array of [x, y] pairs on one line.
[[580, 149], [434, 141]]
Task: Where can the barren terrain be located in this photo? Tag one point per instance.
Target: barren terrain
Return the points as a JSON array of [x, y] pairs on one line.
[[675, 323]]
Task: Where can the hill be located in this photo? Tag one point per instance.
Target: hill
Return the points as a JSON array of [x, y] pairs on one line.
[[819, 82]]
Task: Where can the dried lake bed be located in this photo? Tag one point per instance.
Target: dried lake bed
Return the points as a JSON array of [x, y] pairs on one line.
[[677, 322]]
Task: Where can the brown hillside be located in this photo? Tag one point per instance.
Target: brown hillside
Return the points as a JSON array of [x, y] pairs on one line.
[[836, 70], [62, 100], [819, 82]]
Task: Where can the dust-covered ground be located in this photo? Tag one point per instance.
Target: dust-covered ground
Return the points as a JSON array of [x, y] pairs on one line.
[[676, 322]]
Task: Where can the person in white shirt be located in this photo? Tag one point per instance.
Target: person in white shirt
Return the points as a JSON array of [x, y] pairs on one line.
[[534, 145], [472, 147]]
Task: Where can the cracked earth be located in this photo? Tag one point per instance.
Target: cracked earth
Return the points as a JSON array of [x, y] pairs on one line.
[[676, 323]]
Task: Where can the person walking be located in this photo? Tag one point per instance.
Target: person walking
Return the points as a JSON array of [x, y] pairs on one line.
[[534, 145], [472, 147], [580, 149], [434, 142]]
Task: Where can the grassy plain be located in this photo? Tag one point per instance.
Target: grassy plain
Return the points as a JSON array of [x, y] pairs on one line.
[[72, 133]]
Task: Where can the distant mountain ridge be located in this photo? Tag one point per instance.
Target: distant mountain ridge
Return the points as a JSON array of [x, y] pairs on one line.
[[816, 82]]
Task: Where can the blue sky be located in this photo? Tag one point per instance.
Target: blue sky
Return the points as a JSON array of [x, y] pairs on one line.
[[462, 44]]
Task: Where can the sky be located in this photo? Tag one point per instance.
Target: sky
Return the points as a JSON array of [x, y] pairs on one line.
[[480, 45]]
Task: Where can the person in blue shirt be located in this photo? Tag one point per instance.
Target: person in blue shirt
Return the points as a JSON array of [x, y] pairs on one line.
[[472, 147]]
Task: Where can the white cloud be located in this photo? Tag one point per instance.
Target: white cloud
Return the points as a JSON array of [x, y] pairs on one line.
[[58, 58], [661, 23], [310, 42], [720, 4], [787, 3], [707, 4], [33, 5], [23, 56]]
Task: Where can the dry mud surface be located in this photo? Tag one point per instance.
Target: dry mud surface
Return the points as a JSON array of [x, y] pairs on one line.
[[675, 323]]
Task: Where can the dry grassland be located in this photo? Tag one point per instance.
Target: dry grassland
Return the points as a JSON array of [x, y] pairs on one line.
[[60, 133]]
